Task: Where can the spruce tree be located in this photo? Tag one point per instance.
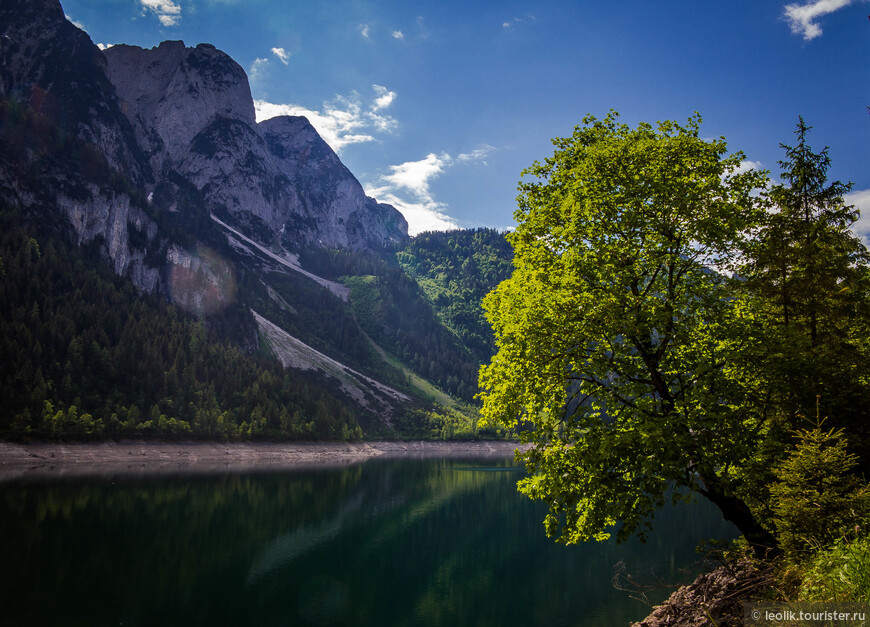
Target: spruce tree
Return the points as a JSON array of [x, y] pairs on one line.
[[809, 275]]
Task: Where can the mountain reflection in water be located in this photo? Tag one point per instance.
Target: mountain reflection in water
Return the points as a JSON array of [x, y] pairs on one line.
[[388, 542]]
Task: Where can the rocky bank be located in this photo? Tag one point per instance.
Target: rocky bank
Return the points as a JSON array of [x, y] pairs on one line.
[[714, 599]]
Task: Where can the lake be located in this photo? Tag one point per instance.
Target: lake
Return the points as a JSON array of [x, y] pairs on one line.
[[385, 542]]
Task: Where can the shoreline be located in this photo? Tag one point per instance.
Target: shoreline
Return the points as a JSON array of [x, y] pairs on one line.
[[139, 458]]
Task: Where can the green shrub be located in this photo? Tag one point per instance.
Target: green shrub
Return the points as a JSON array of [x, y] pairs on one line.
[[842, 573]]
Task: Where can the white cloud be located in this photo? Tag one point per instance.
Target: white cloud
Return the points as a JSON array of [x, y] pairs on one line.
[[422, 31], [421, 215], [801, 17], [398, 34], [78, 25], [861, 199], [343, 120], [363, 30], [338, 124], [258, 67], [407, 188], [166, 11], [282, 55], [384, 98], [748, 165], [478, 154], [104, 46], [518, 20], [414, 176]]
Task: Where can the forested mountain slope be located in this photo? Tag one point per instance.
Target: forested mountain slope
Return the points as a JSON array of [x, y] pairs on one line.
[[172, 268], [85, 356], [456, 269]]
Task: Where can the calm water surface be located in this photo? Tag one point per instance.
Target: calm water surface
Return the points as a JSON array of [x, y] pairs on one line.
[[434, 542]]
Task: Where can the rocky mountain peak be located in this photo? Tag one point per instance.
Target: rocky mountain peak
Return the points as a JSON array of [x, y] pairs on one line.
[[48, 64], [194, 115], [172, 92], [114, 141], [328, 190]]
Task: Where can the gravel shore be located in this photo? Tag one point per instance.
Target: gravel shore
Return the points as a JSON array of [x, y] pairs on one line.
[[140, 458]]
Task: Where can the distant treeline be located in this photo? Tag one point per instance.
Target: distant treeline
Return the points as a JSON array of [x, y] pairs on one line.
[[85, 356]]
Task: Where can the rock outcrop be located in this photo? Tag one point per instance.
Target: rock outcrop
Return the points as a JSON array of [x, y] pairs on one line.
[[331, 196], [111, 218], [714, 599], [194, 115], [52, 66], [171, 93]]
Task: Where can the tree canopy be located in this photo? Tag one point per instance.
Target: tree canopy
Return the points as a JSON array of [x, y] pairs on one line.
[[621, 327]]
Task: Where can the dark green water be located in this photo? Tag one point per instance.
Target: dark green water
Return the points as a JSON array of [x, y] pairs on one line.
[[388, 542]]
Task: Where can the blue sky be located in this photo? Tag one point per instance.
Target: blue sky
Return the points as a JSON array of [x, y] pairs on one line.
[[437, 107]]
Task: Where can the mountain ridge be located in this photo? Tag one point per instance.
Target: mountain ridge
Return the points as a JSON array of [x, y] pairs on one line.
[[152, 160]]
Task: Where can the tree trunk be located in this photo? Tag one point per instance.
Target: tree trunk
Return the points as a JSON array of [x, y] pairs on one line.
[[763, 543]]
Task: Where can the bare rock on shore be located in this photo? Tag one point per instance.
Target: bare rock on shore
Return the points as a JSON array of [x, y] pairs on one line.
[[713, 599]]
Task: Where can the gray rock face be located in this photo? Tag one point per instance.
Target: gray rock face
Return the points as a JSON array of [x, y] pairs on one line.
[[112, 218], [172, 93], [331, 196], [52, 66], [155, 155], [193, 113], [229, 163]]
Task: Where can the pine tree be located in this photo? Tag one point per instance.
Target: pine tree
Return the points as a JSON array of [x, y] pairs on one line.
[[809, 275]]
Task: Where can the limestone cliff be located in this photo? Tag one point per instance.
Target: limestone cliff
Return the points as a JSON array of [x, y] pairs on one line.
[[193, 114], [331, 196], [65, 135], [53, 67]]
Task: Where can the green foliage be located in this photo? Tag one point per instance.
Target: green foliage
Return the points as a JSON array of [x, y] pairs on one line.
[[840, 573], [816, 498], [445, 424], [638, 369], [319, 318], [365, 297], [614, 335], [455, 270]]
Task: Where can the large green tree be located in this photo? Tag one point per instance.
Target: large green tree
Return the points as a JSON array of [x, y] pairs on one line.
[[621, 328]]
